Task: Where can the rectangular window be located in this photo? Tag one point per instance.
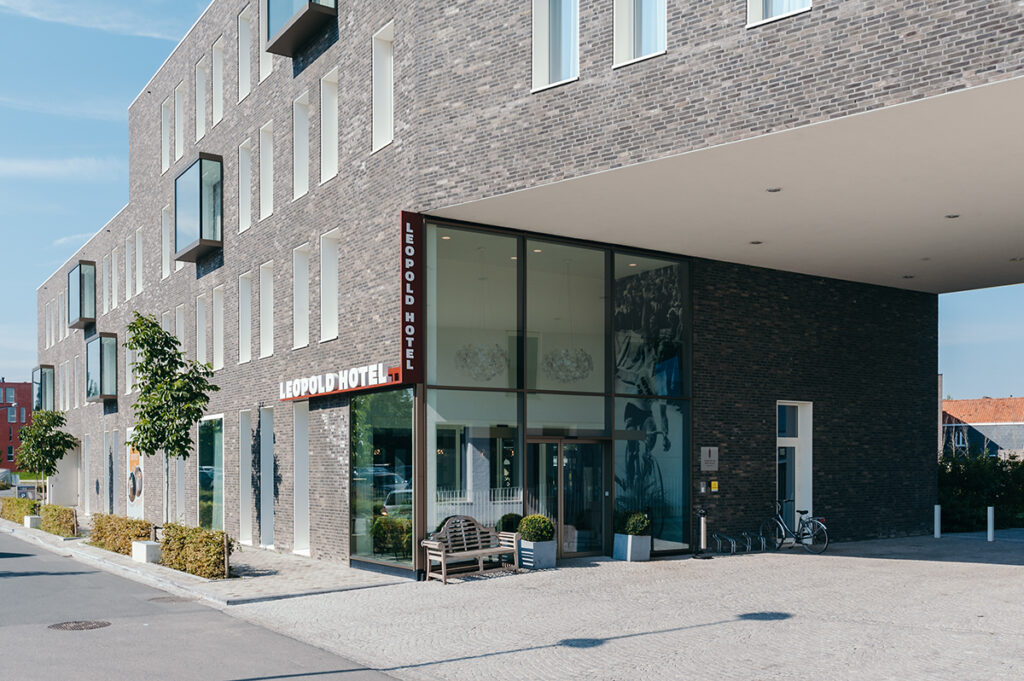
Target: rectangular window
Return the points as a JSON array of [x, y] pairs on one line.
[[114, 265], [128, 248], [167, 322], [329, 126], [165, 135], [201, 329], [12, 414], [244, 54], [244, 186], [383, 86], [106, 284], [218, 327], [267, 170], [101, 368], [179, 121], [555, 42], [60, 317], [640, 29], [329, 246], [129, 371], [198, 209], [138, 261], [300, 474], [244, 318], [218, 80], [179, 325], [78, 385], [165, 242], [10, 395], [211, 474], [23, 414], [300, 297], [266, 58], [202, 73], [300, 146], [760, 11], [267, 309]]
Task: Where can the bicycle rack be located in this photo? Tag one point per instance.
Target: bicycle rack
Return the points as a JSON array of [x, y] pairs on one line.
[[753, 540], [719, 538]]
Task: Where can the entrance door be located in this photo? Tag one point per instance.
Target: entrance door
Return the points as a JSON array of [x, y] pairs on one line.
[[794, 458], [568, 483]]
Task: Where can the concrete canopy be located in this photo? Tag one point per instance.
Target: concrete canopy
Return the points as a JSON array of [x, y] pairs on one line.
[[927, 195]]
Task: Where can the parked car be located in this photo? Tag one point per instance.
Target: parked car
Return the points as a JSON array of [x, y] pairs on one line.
[[398, 504]]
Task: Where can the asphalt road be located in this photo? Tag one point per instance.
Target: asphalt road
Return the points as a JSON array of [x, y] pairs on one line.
[[151, 635]]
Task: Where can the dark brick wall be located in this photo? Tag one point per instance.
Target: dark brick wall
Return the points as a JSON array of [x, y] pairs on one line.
[[865, 356]]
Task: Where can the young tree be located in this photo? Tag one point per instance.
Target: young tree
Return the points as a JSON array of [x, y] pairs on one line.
[[173, 393], [44, 444]]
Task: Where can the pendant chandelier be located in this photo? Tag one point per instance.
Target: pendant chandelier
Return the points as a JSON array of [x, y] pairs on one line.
[[481, 361], [570, 364]]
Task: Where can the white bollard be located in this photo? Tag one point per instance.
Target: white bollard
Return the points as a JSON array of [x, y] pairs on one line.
[[991, 523], [703, 534], [938, 521]]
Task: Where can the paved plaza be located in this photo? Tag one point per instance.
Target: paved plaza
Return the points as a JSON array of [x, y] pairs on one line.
[[895, 609]]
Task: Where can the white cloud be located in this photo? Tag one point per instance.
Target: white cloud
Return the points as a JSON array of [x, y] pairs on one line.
[[76, 169], [72, 238], [141, 19], [94, 110]]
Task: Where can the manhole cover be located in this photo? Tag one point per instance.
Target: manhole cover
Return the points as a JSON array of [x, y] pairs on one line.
[[79, 626], [171, 599]]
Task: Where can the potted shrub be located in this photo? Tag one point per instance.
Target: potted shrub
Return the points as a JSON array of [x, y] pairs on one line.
[[632, 537], [536, 542], [509, 523]]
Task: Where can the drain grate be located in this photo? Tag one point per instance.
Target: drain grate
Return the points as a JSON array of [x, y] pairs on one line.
[[172, 599], [81, 625]]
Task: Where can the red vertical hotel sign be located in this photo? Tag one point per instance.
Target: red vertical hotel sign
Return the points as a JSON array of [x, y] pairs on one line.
[[412, 298]]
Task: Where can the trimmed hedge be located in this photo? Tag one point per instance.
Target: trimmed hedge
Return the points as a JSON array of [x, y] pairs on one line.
[[509, 522], [969, 484], [536, 528], [195, 550], [58, 520], [15, 510], [116, 533], [392, 535]]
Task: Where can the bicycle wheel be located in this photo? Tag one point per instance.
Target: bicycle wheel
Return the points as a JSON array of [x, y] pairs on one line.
[[773, 534], [815, 536]]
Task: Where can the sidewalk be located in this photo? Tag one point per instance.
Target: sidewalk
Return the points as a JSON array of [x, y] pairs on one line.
[[262, 575]]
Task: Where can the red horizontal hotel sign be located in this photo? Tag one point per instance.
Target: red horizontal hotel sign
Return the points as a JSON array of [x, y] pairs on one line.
[[410, 370]]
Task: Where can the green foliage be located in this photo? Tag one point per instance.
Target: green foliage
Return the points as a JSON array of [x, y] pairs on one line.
[[58, 520], [44, 444], [4, 486], [969, 484], [116, 533], [195, 550], [15, 510], [535, 528], [173, 391], [635, 523], [509, 522], [392, 535]]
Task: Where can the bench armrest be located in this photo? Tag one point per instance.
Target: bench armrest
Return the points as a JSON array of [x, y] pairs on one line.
[[508, 539], [433, 545]]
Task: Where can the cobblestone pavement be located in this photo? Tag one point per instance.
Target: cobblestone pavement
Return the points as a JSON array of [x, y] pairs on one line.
[[894, 609]]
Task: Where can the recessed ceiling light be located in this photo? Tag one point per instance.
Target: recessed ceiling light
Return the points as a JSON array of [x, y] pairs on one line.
[[632, 264], [908, 276], [446, 238], [774, 190], [537, 250], [952, 216], [756, 243], [514, 258]]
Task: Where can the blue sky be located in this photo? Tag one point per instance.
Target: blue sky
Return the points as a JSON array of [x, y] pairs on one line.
[[70, 68]]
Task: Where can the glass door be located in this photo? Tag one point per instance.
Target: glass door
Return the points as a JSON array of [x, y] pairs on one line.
[[566, 481]]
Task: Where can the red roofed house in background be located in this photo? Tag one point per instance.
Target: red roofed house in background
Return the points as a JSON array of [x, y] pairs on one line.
[[992, 425], [15, 414]]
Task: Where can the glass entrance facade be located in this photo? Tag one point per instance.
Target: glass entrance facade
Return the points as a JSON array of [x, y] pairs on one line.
[[537, 338]]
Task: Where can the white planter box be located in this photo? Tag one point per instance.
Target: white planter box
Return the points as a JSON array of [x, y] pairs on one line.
[[146, 551], [632, 548], [536, 555], [33, 521]]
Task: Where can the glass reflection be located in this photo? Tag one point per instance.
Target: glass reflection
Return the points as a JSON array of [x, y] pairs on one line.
[[211, 474]]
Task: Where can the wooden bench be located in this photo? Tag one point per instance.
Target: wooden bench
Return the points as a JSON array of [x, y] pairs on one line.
[[463, 539]]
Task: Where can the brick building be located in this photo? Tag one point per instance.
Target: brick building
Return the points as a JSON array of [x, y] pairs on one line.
[[15, 414], [499, 258]]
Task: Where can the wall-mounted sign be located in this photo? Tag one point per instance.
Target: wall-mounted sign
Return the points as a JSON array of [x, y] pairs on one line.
[[714, 485], [412, 298], [709, 458], [136, 505], [346, 380]]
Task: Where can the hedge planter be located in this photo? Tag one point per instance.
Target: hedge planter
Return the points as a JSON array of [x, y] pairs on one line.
[[632, 548], [536, 555]]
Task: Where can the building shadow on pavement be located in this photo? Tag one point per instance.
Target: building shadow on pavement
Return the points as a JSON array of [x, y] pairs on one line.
[[965, 547]]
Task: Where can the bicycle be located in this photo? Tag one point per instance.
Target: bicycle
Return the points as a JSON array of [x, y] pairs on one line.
[[811, 532]]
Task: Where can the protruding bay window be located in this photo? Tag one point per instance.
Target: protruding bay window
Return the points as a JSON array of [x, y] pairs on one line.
[[291, 24], [42, 388], [82, 295], [101, 368], [198, 209]]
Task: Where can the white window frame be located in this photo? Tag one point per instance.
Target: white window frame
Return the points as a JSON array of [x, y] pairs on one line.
[[113, 279], [138, 261], [165, 135], [541, 48], [218, 327], [300, 297], [300, 146], [129, 247], [383, 87], [245, 318], [179, 121], [218, 80], [165, 239], [755, 13], [267, 309], [329, 126], [244, 53], [202, 330], [330, 246], [244, 185], [266, 58], [201, 87], [267, 170], [625, 33]]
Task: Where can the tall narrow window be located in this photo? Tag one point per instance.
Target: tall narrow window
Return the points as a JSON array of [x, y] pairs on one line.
[[244, 54], [244, 318], [78, 381], [555, 42], [113, 279], [165, 135], [267, 309], [210, 451], [329, 126], [165, 242], [129, 372], [179, 325], [329, 244], [179, 121], [201, 329], [383, 86], [244, 186], [218, 80], [640, 29], [202, 74], [300, 146], [106, 284], [267, 170], [167, 322], [300, 297], [138, 260], [218, 328], [60, 316], [128, 279], [266, 59]]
